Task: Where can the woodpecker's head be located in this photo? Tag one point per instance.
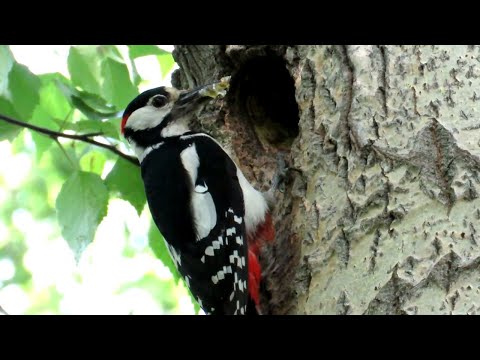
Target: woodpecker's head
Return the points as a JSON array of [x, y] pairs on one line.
[[164, 112]]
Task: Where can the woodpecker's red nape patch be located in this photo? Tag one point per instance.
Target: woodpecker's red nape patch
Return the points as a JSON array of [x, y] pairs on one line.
[[265, 233], [124, 121]]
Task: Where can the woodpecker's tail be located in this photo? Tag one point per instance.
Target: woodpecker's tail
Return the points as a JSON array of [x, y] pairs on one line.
[[252, 307]]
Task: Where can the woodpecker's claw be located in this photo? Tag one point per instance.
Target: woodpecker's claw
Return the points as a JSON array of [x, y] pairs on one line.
[[278, 180], [280, 173]]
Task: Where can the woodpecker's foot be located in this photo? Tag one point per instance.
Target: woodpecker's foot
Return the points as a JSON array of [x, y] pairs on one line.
[[280, 174], [278, 180]]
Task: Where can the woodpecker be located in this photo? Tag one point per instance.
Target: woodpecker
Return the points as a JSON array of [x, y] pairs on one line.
[[213, 220]]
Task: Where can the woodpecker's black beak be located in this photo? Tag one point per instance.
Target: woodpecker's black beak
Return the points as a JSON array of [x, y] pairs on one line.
[[203, 93]]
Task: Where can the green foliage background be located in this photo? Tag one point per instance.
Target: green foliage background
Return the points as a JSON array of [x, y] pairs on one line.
[[68, 186]]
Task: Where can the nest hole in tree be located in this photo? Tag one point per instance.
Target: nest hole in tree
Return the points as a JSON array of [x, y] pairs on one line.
[[262, 92], [263, 115]]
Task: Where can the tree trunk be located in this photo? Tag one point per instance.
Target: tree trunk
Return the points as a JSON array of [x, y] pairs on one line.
[[380, 210]]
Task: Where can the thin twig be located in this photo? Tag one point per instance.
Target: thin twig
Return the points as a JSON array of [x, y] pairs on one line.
[[55, 135], [65, 120], [93, 134]]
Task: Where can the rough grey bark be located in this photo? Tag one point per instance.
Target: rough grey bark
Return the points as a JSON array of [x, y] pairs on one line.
[[380, 211]]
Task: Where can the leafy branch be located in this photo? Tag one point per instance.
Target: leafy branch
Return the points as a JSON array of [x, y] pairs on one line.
[[85, 137]]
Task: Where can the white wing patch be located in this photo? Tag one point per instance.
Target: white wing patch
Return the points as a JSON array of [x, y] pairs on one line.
[[201, 189], [203, 207], [255, 204], [190, 161], [204, 213]]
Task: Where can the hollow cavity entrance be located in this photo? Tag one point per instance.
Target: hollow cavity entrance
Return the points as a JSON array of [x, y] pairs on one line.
[[262, 93]]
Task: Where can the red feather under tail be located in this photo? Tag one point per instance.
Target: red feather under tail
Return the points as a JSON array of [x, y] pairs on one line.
[[265, 233]]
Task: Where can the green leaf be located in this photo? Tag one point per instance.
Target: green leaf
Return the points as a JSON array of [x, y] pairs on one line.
[[54, 101], [24, 87], [166, 62], [93, 106], [90, 112], [103, 75], [110, 51], [63, 159], [81, 206], [41, 118], [53, 77], [125, 179], [6, 63], [137, 51], [118, 89], [94, 126], [84, 68], [8, 131], [137, 79], [157, 243], [93, 161], [96, 103]]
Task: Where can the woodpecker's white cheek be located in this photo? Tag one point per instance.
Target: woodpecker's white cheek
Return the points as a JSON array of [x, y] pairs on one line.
[[147, 117]]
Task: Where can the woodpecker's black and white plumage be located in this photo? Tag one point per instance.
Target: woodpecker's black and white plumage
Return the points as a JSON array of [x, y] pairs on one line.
[[212, 219]]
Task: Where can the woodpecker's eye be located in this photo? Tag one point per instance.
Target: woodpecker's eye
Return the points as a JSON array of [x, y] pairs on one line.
[[159, 100]]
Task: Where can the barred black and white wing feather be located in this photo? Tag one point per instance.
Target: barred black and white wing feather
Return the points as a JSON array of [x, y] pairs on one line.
[[196, 201]]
